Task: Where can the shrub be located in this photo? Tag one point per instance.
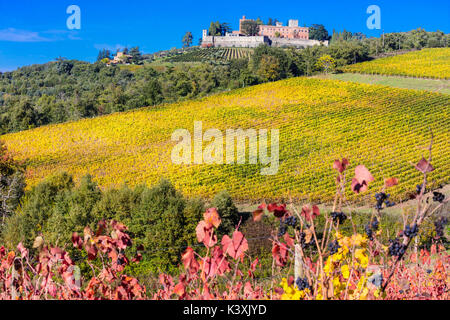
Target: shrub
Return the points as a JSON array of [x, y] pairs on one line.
[[227, 211]]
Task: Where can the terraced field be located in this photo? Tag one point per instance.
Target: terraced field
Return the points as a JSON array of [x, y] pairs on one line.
[[318, 120], [212, 54], [427, 63]]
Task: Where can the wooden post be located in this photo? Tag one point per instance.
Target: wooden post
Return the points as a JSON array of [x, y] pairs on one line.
[[298, 267]]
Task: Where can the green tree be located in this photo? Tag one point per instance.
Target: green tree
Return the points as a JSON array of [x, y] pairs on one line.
[[225, 28], [73, 211], [24, 115], [159, 224], [187, 39], [104, 54], [136, 55], [318, 32], [227, 212], [152, 92], [37, 207], [214, 29], [250, 28]]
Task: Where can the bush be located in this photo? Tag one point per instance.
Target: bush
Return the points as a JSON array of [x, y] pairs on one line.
[[227, 211]]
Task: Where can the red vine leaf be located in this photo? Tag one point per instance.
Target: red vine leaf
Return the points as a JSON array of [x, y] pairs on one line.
[[258, 215], [278, 211], [362, 179], [189, 261], [280, 254], [235, 247], [424, 166], [309, 213], [340, 166], [212, 218], [76, 240], [390, 182], [206, 234]]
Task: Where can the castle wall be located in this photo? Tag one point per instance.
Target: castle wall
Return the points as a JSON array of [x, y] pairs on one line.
[[253, 42], [284, 42], [234, 41]]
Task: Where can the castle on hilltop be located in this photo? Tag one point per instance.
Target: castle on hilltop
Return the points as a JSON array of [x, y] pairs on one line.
[[273, 35]]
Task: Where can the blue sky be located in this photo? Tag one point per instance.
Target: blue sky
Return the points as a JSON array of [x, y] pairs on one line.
[[35, 31]]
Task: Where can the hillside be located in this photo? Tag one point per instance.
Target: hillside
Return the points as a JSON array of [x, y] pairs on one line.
[[319, 121], [427, 63]]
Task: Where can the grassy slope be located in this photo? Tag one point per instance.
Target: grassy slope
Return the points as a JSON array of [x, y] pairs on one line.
[[319, 121]]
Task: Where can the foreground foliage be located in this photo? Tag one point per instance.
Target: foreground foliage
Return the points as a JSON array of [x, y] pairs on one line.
[[327, 265]]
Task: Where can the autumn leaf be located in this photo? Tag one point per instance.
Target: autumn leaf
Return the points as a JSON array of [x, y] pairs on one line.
[[188, 259], [280, 254], [258, 215], [76, 240], [390, 182], [236, 246], [363, 177], [308, 235], [289, 240], [424, 166], [206, 234], [278, 211], [38, 242], [23, 251], [309, 213], [211, 217], [340, 166], [179, 290]]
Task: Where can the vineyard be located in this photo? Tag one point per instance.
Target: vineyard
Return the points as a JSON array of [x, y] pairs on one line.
[[213, 54], [426, 63], [318, 121]]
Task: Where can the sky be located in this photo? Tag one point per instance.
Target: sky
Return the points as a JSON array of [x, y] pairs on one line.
[[33, 31]]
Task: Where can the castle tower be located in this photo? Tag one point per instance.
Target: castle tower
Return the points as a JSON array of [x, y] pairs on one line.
[[205, 33], [293, 23]]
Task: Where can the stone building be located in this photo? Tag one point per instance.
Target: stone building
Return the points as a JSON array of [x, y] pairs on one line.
[[278, 36], [292, 31]]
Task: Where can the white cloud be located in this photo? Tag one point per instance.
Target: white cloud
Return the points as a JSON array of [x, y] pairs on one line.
[[112, 48], [15, 35]]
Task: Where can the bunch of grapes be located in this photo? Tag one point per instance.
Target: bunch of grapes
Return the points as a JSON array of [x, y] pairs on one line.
[[282, 230], [371, 227], [285, 223], [369, 232], [383, 198], [396, 248], [333, 247], [439, 225], [375, 224], [338, 216], [291, 221], [419, 188], [302, 284], [438, 197], [302, 239], [411, 231]]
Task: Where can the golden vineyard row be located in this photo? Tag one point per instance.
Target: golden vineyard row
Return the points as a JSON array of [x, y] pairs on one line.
[[427, 63]]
